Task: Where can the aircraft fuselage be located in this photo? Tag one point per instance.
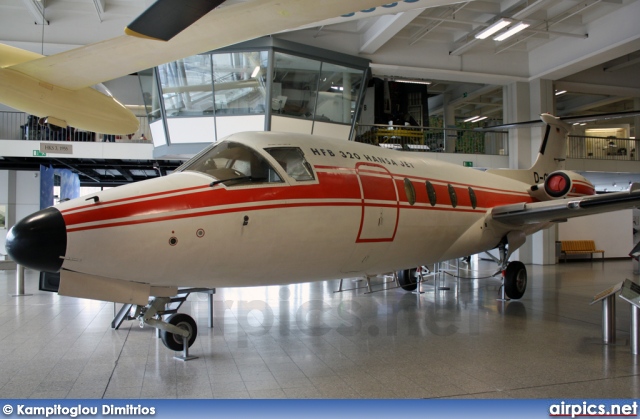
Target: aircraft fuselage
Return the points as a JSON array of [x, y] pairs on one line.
[[355, 217]]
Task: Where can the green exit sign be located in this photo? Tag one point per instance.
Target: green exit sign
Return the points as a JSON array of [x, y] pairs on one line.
[[38, 153], [467, 163]]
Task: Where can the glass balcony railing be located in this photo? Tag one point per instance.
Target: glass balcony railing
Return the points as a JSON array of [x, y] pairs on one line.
[[22, 126], [603, 148], [427, 139]]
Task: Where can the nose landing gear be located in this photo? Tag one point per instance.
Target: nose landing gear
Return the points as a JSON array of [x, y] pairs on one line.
[[178, 331]]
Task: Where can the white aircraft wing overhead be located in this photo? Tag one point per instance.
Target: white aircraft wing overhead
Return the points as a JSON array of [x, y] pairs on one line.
[[561, 209], [107, 60]]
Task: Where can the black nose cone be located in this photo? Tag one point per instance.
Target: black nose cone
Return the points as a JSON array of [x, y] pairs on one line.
[[39, 241]]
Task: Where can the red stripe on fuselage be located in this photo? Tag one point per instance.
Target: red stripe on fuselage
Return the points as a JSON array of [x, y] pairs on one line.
[[333, 186]]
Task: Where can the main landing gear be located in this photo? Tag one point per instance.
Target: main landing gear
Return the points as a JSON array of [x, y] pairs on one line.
[[514, 280], [514, 274]]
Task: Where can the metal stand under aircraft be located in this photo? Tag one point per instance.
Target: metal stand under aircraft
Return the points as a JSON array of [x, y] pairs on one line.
[[178, 331]]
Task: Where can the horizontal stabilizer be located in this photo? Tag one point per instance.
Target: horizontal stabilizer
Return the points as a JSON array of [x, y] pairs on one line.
[[567, 119], [559, 210], [164, 19]]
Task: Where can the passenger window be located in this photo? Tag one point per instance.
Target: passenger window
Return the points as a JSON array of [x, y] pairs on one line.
[[472, 197], [431, 193], [293, 162], [453, 196], [410, 191], [233, 163]]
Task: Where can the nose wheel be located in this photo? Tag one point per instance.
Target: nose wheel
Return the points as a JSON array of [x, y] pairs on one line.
[[174, 341]]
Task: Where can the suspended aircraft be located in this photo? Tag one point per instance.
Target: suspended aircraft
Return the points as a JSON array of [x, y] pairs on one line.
[[65, 88]]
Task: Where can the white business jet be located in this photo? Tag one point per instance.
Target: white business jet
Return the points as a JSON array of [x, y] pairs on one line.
[[264, 208]]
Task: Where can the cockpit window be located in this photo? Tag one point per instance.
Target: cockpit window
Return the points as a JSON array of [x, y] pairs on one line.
[[293, 162], [233, 162]]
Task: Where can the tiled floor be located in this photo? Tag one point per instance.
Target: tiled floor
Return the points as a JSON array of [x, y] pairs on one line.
[[305, 341]]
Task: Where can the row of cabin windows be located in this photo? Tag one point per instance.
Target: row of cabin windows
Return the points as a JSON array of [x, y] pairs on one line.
[[431, 193]]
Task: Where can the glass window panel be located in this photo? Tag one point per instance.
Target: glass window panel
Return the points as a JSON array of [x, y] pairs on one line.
[[150, 94], [337, 93], [293, 162], [186, 86], [233, 163], [294, 87], [239, 82]]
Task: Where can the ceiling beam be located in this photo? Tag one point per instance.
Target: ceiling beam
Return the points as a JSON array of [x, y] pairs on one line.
[[424, 31], [622, 65], [587, 106], [596, 89], [36, 8], [385, 28], [124, 172], [99, 8]]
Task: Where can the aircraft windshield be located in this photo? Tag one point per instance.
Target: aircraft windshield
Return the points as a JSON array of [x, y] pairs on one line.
[[234, 162], [293, 162]]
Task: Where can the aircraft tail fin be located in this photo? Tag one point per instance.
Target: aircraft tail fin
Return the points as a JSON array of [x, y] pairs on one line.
[[551, 156]]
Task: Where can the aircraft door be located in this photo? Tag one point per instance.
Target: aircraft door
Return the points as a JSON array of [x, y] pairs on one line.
[[380, 207], [379, 217]]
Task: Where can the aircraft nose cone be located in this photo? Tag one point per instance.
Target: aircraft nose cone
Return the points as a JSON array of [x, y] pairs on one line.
[[38, 241]]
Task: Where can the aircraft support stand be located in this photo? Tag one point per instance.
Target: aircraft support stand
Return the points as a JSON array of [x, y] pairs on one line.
[[503, 295], [609, 320], [635, 333], [210, 307], [419, 279], [20, 282], [185, 352]]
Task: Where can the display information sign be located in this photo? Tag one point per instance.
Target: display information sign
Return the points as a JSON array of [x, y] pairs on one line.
[[56, 148], [631, 292], [606, 293]]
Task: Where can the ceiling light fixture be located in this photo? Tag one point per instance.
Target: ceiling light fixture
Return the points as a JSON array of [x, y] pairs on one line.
[[560, 92], [495, 27], [482, 118], [412, 81], [514, 30], [471, 119]]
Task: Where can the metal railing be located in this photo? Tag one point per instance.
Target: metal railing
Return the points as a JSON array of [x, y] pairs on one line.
[[603, 148], [426, 139], [22, 126]]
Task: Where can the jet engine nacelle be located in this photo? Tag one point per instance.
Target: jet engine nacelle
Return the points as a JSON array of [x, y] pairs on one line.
[[562, 184]]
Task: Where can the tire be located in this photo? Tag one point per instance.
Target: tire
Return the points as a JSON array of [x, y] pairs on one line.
[[184, 321], [407, 279], [515, 280]]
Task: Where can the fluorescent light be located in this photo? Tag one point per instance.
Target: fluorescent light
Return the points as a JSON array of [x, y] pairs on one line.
[[471, 119], [255, 72], [495, 27], [482, 118], [413, 81], [561, 92], [514, 30]]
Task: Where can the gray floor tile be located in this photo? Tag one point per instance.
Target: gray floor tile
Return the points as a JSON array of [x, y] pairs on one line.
[[449, 344]]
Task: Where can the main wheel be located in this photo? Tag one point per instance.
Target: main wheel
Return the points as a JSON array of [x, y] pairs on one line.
[[515, 280], [407, 279], [183, 321]]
